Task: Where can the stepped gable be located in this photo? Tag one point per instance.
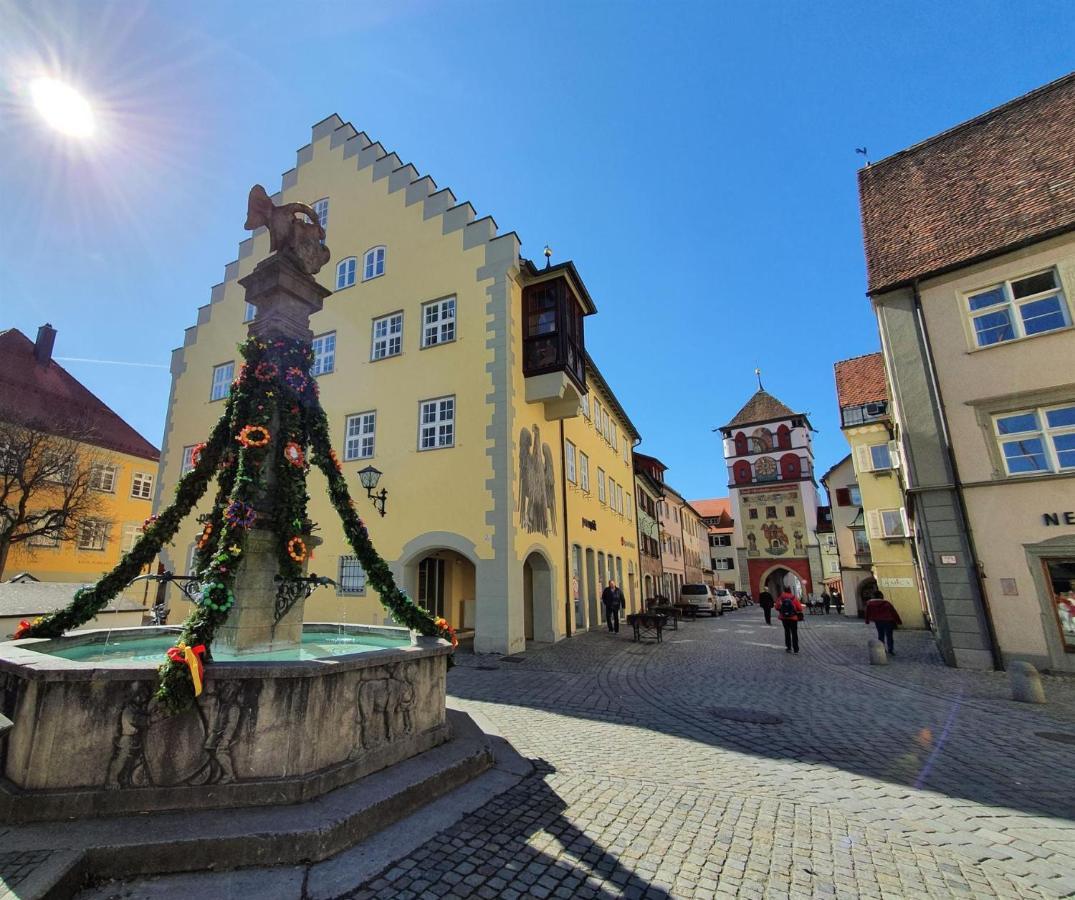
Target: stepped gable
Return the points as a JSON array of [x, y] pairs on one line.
[[860, 380], [49, 396], [762, 407]]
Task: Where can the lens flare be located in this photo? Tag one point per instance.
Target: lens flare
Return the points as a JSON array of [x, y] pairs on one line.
[[64, 108]]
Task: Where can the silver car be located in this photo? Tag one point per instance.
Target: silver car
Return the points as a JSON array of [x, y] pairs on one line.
[[700, 595]]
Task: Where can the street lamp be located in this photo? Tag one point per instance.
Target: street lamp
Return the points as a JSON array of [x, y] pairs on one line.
[[369, 477]]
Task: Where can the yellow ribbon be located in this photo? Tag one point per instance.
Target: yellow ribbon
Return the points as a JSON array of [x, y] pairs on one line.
[[189, 655]]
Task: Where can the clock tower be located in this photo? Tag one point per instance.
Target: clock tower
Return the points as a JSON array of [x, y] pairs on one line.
[[770, 461]]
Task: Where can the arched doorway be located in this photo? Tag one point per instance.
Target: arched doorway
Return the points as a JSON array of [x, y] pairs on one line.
[[591, 592], [647, 587], [538, 613], [864, 592], [445, 585], [602, 583], [780, 579]]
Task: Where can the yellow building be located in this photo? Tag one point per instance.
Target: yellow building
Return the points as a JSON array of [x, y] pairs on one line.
[[120, 465], [458, 369], [862, 392]]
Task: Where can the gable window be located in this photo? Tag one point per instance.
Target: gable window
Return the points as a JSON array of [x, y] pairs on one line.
[[388, 336], [584, 472], [436, 423], [359, 435], [324, 347], [438, 322], [569, 455], [1037, 440], [351, 577], [250, 312], [92, 535], [373, 263], [142, 485], [222, 377], [103, 478], [345, 272], [601, 488], [321, 208], [1015, 309]]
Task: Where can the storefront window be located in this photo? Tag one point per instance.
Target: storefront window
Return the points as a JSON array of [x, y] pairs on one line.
[[1061, 575]]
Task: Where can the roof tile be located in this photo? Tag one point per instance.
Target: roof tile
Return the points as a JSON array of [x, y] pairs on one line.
[[861, 380]]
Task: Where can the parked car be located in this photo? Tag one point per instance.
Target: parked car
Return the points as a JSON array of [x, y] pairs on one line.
[[700, 595], [726, 600]]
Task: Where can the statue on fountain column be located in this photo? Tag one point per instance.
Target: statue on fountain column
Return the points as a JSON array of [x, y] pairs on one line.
[[301, 240]]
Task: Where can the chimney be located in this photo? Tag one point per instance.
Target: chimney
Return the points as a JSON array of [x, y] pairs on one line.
[[46, 337]]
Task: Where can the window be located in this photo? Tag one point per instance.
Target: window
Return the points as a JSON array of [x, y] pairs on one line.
[[724, 564], [854, 495], [584, 472], [1037, 440], [345, 272], [351, 578], [752, 513], [770, 512], [615, 438], [880, 457], [92, 535], [789, 511], [373, 263], [222, 376], [324, 347], [862, 543], [612, 494], [619, 499], [188, 459], [886, 523], [630, 509], [601, 490], [250, 312], [132, 531], [438, 322], [359, 434], [596, 414], [142, 485], [569, 455], [388, 336], [436, 423], [1015, 309], [103, 478], [321, 208], [45, 540], [586, 405]]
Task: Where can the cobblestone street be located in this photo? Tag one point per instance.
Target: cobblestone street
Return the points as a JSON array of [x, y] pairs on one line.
[[906, 781]]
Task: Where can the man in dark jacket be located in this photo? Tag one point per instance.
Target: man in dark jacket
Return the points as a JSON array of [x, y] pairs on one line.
[[612, 598], [884, 617], [765, 601]]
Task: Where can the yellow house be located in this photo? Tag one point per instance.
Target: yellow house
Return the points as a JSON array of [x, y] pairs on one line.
[[458, 369], [121, 465], [862, 392]]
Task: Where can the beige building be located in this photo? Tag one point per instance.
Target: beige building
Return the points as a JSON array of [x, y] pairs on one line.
[[670, 520], [849, 535], [697, 568], [970, 250]]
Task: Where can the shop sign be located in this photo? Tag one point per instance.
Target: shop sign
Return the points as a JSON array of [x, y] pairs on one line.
[[896, 582], [1055, 518], [590, 523]]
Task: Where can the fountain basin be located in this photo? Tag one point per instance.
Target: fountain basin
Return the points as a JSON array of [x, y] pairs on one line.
[[88, 739]]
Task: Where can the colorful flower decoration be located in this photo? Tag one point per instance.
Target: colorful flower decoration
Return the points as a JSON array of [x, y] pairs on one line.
[[240, 515], [296, 380], [253, 436], [24, 628], [196, 454], [294, 455], [446, 631], [207, 533], [266, 371], [217, 596], [335, 460], [296, 549], [191, 656], [149, 523]]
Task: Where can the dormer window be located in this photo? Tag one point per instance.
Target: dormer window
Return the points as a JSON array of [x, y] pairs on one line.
[[552, 331], [373, 263]]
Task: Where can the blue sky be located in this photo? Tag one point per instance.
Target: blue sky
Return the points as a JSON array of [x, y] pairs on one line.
[[696, 161]]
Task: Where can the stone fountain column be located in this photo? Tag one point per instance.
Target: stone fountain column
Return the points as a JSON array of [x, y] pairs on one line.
[[285, 297]]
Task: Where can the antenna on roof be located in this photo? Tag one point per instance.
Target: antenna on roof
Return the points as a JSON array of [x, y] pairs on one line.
[[863, 151], [757, 372]]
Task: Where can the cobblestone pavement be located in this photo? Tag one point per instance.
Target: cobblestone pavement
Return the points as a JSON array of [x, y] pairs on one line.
[[910, 780]]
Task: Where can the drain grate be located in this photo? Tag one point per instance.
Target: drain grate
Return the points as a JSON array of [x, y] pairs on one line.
[[739, 714], [1059, 736]]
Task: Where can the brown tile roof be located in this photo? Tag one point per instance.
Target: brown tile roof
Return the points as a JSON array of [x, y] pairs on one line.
[[762, 407], [861, 380], [719, 506], [49, 396], [994, 183]]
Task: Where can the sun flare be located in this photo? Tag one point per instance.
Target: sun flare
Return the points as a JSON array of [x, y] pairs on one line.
[[64, 108]]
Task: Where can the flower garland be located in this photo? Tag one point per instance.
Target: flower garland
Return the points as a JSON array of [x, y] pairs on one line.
[[149, 523], [255, 436], [296, 549], [294, 455], [266, 371], [240, 515], [207, 533], [296, 380]]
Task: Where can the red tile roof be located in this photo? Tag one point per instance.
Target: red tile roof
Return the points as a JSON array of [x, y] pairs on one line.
[[985, 187], [762, 407], [861, 380], [50, 397], [719, 506]]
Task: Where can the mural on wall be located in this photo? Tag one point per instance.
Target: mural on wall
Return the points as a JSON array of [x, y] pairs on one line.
[[537, 483], [768, 534]]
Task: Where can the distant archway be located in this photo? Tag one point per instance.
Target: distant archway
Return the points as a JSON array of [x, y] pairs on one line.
[[779, 578], [538, 614]]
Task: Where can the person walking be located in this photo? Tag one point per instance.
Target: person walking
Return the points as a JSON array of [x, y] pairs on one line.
[[826, 601], [790, 610], [839, 601], [884, 617], [612, 598], [765, 601]]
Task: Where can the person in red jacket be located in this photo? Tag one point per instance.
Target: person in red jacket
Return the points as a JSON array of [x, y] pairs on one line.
[[884, 617], [790, 610]]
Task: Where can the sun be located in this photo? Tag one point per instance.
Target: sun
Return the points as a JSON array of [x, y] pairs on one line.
[[64, 108]]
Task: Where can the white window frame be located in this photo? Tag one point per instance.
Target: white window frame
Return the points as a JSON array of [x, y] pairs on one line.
[[585, 404], [142, 485], [877, 524], [630, 507], [1044, 433], [602, 494], [569, 457], [854, 494], [45, 541], [866, 461], [187, 462], [597, 414], [612, 494], [436, 422], [324, 355], [442, 329], [360, 435], [220, 385], [97, 531], [358, 587], [132, 531], [373, 262], [584, 472], [619, 499], [321, 208], [250, 311], [1013, 307], [390, 343], [346, 272], [97, 477]]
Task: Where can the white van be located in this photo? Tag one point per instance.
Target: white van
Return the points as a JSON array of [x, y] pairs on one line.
[[700, 595]]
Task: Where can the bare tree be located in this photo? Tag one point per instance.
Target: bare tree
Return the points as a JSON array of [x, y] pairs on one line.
[[47, 486]]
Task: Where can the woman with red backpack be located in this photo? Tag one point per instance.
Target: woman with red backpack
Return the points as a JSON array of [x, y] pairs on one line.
[[790, 610]]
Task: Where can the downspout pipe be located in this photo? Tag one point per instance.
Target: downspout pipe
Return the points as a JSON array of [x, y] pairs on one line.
[[568, 630], [994, 646]]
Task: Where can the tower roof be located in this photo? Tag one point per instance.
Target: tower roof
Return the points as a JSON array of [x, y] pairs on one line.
[[762, 407]]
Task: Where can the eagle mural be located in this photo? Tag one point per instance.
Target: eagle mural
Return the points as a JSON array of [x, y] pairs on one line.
[[537, 483]]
